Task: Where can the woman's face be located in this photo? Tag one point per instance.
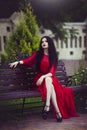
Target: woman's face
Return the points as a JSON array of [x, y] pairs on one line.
[[44, 43]]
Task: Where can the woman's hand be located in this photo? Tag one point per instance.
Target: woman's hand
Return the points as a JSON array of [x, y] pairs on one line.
[[40, 80], [14, 64]]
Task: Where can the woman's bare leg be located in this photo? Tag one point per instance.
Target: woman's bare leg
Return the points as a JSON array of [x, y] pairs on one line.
[[51, 95], [54, 101], [48, 82]]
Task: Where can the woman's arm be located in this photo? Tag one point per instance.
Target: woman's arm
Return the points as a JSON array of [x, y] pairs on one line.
[[28, 61], [14, 64]]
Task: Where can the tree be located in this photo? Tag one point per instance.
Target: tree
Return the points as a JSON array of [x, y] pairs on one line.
[[51, 16], [24, 39]]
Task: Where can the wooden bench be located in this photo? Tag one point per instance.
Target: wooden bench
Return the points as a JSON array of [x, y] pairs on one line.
[[18, 83]]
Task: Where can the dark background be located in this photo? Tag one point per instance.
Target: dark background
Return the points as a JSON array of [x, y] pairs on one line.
[[67, 10]]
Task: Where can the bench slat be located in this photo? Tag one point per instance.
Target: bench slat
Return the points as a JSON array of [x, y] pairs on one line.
[[79, 88], [19, 94]]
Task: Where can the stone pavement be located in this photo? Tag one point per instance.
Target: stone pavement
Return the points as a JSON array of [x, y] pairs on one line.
[[34, 121]]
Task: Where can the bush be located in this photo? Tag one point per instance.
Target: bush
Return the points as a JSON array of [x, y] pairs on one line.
[[24, 39]]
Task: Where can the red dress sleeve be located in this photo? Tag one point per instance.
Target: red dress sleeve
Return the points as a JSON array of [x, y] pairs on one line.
[[52, 69], [30, 60]]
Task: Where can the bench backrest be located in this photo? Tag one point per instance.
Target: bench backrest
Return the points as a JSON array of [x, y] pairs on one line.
[[21, 78]]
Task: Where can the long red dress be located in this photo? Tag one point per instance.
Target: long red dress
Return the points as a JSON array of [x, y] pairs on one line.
[[64, 95]]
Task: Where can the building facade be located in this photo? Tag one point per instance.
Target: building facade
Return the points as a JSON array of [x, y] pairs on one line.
[[6, 28]]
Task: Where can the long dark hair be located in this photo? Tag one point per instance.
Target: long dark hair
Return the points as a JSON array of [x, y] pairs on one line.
[[53, 58]]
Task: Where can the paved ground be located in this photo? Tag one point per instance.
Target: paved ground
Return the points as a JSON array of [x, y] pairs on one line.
[[34, 121]]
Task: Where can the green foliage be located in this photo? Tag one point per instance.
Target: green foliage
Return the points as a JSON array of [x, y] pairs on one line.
[[3, 58], [73, 32], [24, 39], [79, 78], [60, 31]]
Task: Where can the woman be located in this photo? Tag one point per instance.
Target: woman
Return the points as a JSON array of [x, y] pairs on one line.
[[53, 93]]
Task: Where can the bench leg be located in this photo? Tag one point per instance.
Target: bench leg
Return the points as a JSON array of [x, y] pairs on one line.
[[23, 105]]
